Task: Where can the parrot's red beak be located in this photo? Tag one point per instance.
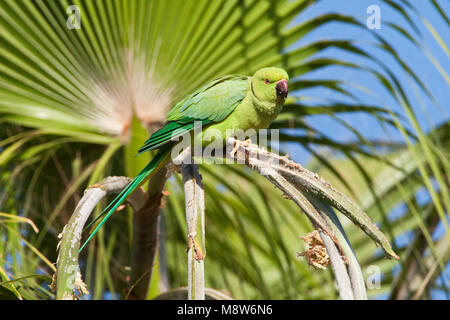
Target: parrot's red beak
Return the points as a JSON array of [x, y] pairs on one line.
[[282, 88]]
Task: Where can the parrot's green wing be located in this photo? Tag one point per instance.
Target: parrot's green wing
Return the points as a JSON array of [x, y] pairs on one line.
[[211, 103]]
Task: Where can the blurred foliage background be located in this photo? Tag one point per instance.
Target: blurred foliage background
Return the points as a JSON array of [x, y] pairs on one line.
[[75, 105]]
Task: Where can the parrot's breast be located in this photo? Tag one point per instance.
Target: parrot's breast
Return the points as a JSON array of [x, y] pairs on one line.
[[248, 117]]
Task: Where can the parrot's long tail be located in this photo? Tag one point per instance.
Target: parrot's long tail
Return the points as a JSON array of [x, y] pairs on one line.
[[160, 159]]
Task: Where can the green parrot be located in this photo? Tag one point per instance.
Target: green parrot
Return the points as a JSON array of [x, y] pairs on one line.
[[226, 104]]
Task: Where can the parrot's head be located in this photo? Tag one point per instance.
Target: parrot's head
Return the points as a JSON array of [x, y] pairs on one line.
[[270, 85]]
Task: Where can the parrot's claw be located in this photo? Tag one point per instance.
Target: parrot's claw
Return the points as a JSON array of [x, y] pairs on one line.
[[235, 147], [246, 143]]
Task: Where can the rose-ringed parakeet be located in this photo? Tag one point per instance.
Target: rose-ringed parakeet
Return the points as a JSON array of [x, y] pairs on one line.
[[226, 104]]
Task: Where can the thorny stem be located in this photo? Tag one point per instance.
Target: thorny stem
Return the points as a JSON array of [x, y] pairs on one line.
[[316, 196], [265, 162], [311, 193], [326, 231], [354, 269], [68, 276], [339, 269], [195, 223], [181, 293]]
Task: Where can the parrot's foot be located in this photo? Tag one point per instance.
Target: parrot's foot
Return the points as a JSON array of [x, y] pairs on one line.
[[246, 143], [235, 147]]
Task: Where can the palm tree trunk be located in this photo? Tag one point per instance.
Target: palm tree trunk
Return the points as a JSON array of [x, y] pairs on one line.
[[145, 237]]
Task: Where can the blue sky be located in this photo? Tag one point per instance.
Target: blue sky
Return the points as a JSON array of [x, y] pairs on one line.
[[429, 113]]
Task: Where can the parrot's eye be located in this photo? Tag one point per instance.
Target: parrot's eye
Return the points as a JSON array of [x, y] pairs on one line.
[[266, 81]]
